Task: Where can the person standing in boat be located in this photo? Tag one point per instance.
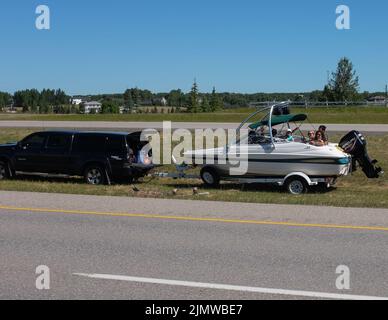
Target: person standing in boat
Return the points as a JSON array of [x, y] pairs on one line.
[[325, 137]]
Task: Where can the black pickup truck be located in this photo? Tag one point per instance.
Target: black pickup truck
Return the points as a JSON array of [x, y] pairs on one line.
[[100, 157]]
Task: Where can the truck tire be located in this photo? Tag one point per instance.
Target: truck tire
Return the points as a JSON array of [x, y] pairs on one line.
[[210, 177], [4, 170], [296, 185], [95, 175]]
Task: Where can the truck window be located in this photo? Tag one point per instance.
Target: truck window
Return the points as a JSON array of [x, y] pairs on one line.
[[59, 141], [89, 143], [115, 144], [34, 141]]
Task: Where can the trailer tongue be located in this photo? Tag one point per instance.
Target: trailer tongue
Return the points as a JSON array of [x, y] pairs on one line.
[[355, 144]]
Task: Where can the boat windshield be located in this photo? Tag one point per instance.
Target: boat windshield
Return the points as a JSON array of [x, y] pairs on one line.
[[270, 125]]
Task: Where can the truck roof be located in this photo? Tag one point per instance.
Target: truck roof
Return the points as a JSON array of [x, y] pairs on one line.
[[87, 132]]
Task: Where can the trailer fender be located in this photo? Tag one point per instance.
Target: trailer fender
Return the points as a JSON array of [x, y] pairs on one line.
[[301, 175]]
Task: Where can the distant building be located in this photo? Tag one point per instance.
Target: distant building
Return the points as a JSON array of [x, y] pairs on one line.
[[92, 107], [159, 102], [76, 101], [124, 109], [147, 102], [377, 100], [164, 101]]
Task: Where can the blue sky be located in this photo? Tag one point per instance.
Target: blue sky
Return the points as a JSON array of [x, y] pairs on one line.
[[242, 46]]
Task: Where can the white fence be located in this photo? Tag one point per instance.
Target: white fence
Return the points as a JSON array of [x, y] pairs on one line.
[[318, 104]]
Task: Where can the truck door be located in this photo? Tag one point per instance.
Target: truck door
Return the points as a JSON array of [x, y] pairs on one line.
[[56, 153], [28, 153], [117, 152]]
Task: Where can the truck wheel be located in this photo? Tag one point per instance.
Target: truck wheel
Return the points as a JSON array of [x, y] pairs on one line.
[[296, 186], [4, 171], [95, 175], [210, 177]]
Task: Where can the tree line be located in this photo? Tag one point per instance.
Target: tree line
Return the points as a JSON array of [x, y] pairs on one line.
[[5, 99], [45, 101], [342, 86]]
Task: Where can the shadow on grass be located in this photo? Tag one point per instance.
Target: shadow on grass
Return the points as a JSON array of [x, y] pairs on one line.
[[49, 179], [237, 187], [251, 187], [61, 179]]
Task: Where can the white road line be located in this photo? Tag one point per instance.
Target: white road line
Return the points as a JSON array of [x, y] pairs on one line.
[[309, 294]]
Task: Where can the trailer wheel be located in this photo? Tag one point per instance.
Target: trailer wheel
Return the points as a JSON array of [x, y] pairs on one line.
[[210, 177], [296, 185]]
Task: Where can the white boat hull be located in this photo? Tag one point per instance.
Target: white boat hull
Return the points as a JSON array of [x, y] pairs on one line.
[[277, 160]]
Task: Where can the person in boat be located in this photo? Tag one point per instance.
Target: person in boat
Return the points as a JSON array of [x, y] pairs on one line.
[[311, 137], [289, 136], [325, 136], [318, 141]]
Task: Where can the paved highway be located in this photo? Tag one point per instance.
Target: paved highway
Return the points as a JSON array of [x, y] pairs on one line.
[[130, 126], [123, 248]]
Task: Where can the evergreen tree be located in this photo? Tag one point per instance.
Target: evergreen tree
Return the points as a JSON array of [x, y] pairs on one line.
[[5, 99], [194, 99], [215, 101], [205, 105], [344, 83]]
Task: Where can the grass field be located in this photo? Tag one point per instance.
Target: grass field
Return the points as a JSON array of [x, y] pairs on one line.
[[368, 115], [352, 191]]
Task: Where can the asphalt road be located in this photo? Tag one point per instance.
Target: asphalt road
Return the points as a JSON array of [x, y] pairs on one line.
[[160, 239], [130, 126]]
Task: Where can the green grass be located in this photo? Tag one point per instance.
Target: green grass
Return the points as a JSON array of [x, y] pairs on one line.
[[14, 135], [352, 191], [369, 115]]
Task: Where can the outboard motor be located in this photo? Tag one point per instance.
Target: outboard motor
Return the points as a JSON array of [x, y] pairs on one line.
[[354, 143]]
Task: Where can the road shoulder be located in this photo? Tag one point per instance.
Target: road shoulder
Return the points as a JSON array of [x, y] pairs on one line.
[[196, 209]]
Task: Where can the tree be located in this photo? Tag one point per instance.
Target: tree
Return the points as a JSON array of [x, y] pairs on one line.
[[81, 108], [215, 101], [327, 94], [42, 102], [60, 97], [135, 96], [23, 99], [109, 106], [128, 100], [205, 105], [193, 106], [344, 83], [176, 98], [5, 99]]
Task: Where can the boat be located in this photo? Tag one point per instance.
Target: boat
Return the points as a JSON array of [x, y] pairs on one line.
[[266, 154]]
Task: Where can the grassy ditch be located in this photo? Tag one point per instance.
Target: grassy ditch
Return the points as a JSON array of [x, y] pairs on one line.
[[351, 191]]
